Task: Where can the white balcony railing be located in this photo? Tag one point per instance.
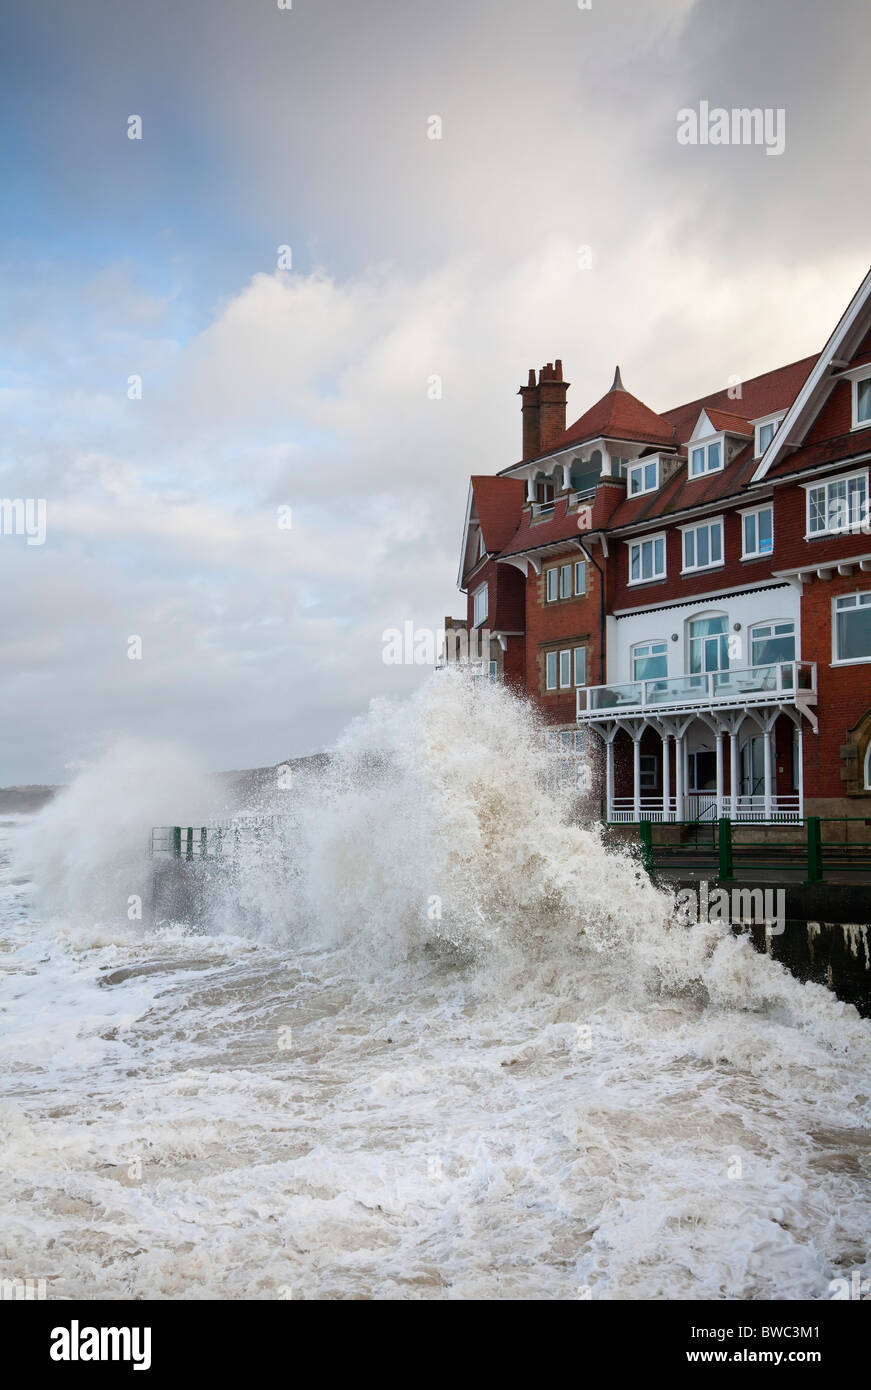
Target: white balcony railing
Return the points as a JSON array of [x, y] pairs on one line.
[[702, 806], [793, 682]]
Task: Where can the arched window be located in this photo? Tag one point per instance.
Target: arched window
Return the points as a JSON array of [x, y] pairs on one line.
[[772, 642], [649, 660], [708, 643]]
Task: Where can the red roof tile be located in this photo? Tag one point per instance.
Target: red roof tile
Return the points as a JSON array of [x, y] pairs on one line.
[[838, 450], [761, 395], [618, 415], [498, 502], [726, 421]]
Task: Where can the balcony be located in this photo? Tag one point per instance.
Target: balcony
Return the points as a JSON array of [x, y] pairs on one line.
[[703, 807], [785, 682]]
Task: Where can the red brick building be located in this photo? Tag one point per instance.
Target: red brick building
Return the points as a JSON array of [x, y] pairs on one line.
[[693, 586]]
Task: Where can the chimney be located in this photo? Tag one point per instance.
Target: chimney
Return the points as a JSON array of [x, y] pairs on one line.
[[551, 405], [529, 406], [544, 409]]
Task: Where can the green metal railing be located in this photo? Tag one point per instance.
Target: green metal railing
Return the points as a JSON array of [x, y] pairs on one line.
[[729, 847], [212, 841]]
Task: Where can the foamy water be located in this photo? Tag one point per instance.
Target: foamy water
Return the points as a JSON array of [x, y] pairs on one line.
[[466, 1054]]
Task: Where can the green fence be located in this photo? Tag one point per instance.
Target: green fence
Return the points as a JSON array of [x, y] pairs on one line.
[[823, 845], [213, 841]]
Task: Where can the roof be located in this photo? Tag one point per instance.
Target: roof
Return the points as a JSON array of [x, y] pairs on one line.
[[849, 338], [617, 415], [760, 396], [498, 502], [728, 423], [841, 449]]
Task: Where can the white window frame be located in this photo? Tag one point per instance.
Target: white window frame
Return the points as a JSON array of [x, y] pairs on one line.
[[648, 779], [866, 783], [642, 541], [476, 595], [640, 468], [857, 380], [746, 512], [565, 668], [711, 636], [705, 445], [762, 423], [850, 660], [548, 657], [772, 623], [707, 525], [582, 566], [565, 569], [826, 483], [583, 652], [650, 642], [548, 597]]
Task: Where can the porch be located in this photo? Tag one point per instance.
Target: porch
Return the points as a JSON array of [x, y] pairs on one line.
[[666, 752]]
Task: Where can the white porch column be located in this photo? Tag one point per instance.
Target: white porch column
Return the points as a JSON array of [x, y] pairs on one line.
[[719, 773], [767, 769], [636, 776], [530, 489], [734, 773], [666, 778], [678, 776], [800, 773], [609, 778]]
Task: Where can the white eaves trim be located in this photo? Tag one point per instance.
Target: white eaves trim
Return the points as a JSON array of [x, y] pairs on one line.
[[848, 334], [464, 545]]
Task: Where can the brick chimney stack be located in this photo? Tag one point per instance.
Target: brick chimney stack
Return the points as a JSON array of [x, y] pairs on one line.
[[543, 404]]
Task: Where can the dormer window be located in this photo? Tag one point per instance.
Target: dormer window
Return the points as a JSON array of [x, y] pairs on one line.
[[706, 458], [764, 431], [642, 477]]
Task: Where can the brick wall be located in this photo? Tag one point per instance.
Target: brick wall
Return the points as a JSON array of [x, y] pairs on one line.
[[571, 622], [844, 691]]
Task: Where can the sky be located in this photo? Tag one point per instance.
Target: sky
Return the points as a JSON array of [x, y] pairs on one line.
[[235, 321]]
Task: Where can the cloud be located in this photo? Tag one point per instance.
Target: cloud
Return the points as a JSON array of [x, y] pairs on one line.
[[413, 260]]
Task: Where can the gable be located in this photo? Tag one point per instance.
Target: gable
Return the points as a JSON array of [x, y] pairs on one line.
[[851, 332]]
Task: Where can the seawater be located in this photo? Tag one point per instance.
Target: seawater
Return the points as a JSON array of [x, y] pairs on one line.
[[435, 1041]]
